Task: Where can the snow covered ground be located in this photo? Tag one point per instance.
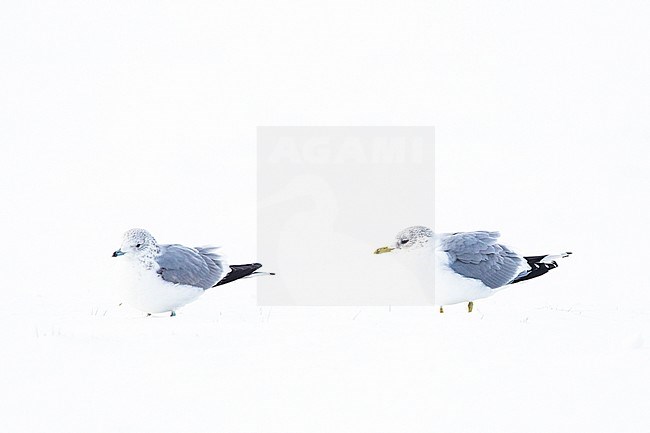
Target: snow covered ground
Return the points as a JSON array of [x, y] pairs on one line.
[[368, 370], [224, 364]]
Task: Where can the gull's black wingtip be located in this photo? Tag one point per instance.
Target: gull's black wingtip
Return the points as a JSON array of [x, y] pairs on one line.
[[242, 271]]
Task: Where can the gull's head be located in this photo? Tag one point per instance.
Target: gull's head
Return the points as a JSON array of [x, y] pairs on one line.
[[136, 242], [410, 239]]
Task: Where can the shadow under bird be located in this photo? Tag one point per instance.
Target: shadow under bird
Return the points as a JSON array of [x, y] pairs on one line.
[[163, 278], [470, 265]]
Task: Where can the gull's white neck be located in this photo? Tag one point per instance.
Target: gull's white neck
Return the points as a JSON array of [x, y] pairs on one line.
[[146, 259]]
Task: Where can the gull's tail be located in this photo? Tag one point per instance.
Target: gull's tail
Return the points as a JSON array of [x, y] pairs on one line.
[[539, 265], [238, 272]]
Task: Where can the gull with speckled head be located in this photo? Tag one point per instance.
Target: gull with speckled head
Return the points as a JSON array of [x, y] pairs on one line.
[[470, 265], [163, 278]]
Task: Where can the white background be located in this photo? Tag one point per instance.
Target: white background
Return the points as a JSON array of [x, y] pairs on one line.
[[327, 198], [120, 114]]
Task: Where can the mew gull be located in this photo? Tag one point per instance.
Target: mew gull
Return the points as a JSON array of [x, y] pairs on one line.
[[470, 265], [166, 277]]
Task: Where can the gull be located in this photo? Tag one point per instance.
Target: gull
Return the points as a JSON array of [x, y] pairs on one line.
[[164, 278], [470, 265]]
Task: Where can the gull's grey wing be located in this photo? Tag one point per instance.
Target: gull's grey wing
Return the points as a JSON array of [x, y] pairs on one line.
[[478, 255], [198, 267]]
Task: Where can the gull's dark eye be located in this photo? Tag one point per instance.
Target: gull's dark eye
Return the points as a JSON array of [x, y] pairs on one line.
[[138, 245], [404, 241]]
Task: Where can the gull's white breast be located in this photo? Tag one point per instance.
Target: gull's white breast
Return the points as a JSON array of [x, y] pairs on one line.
[[452, 288], [145, 290]]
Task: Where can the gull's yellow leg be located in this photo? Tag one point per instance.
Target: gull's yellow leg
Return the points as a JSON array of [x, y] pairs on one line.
[[441, 310], [470, 306]]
